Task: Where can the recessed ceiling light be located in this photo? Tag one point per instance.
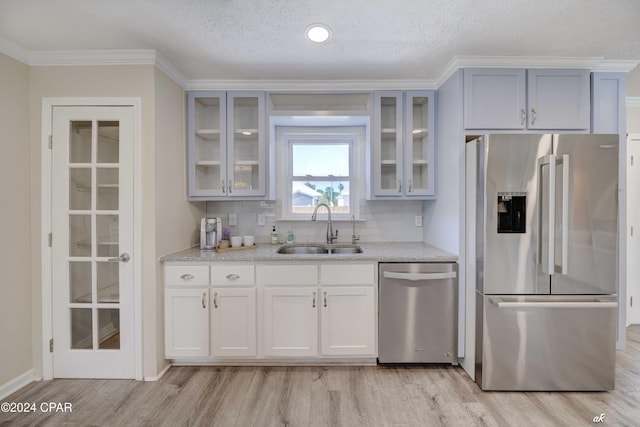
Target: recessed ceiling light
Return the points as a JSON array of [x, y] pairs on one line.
[[318, 33]]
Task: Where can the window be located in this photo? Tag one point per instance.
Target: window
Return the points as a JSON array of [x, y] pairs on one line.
[[320, 173], [320, 164]]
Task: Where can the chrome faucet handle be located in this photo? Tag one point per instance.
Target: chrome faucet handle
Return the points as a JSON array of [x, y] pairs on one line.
[[354, 238]]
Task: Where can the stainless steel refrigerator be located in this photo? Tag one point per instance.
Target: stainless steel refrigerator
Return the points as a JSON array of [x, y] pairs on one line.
[[546, 261]]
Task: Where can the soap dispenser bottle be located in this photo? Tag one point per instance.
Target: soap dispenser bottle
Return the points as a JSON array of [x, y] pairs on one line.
[[274, 236]]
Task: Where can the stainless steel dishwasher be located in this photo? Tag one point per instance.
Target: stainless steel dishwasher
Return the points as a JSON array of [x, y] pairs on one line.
[[417, 319]]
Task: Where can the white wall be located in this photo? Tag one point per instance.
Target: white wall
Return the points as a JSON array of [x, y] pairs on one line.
[[15, 265]]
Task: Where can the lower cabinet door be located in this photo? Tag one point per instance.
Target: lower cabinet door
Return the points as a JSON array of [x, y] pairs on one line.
[[186, 322], [347, 321], [291, 321], [233, 322]]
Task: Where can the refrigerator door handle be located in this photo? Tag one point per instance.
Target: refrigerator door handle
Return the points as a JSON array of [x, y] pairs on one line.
[[564, 256], [500, 303], [548, 261], [419, 276]]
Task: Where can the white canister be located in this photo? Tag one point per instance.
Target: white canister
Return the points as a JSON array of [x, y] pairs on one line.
[[236, 241]]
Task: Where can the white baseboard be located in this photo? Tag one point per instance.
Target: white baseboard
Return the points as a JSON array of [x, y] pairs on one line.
[[16, 384], [157, 377]]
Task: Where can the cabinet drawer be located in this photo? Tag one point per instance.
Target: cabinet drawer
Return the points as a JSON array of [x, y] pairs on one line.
[[348, 274], [283, 275], [189, 275], [232, 275]]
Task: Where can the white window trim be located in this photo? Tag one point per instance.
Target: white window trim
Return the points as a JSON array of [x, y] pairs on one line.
[[354, 136]]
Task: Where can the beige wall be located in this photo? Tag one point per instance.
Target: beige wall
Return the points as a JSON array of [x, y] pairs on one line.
[[15, 266], [633, 82], [176, 220], [99, 81], [633, 90]]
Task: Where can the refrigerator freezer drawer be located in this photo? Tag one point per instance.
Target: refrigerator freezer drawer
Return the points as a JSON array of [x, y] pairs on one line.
[[538, 343]]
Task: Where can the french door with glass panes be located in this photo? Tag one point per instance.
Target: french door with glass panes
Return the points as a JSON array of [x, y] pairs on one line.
[[92, 242]]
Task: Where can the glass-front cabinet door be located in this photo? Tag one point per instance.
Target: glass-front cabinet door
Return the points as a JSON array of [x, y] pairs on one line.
[[246, 151], [387, 144], [402, 144], [207, 146], [419, 144], [226, 145]]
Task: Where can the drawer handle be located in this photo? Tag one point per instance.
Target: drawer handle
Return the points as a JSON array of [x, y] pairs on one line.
[[233, 276], [313, 304], [204, 295], [215, 300], [186, 276], [325, 299]]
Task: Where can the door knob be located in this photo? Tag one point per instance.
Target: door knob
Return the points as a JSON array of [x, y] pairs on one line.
[[122, 258]]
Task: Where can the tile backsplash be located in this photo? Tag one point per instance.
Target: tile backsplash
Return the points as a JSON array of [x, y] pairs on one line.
[[380, 221]]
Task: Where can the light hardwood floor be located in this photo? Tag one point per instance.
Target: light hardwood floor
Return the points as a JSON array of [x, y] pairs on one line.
[[323, 396]]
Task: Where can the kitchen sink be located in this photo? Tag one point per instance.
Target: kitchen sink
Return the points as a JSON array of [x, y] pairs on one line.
[[302, 249], [318, 249], [346, 249]]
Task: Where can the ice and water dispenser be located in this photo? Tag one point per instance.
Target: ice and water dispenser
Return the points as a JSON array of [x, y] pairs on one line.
[[512, 212]]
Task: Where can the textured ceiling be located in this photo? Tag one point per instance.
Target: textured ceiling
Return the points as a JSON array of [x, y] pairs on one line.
[[372, 39]]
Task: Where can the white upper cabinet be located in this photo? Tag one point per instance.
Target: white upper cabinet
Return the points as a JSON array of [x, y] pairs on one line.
[[402, 146], [226, 145], [608, 102], [518, 99]]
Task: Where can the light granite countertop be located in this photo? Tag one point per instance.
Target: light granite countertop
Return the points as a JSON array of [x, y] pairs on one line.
[[382, 252]]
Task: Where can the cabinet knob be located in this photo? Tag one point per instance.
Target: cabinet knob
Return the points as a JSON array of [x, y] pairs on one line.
[[186, 276], [325, 299], [313, 303], [523, 116], [222, 187], [215, 300], [533, 116], [399, 186], [204, 295], [233, 276]]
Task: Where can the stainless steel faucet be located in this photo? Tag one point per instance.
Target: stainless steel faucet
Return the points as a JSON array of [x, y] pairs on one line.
[[330, 236], [354, 237]]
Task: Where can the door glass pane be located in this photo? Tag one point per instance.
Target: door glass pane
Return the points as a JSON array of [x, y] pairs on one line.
[[81, 328], [108, 282], [109, 327], [246, 143], [208, 147], [388, 143], [420, 144], [108, 142], [107, 182], [80, 282], [107, 235], [80, 142], [80, 235], [80, 188]]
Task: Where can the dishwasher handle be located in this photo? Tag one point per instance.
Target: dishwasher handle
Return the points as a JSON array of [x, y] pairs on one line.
[[419, 276]]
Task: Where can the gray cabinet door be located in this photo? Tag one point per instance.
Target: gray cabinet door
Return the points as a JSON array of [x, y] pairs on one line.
[[494, 98], [558, 99]]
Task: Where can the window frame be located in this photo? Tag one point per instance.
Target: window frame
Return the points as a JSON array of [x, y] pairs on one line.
[[353, 137]]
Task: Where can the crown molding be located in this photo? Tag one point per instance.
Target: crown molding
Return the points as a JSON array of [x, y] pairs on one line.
[[633, 101], [40, 58], [108, 57], [311, 85], [9, 48], [152, 57], [170, 70], [590, 63]]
